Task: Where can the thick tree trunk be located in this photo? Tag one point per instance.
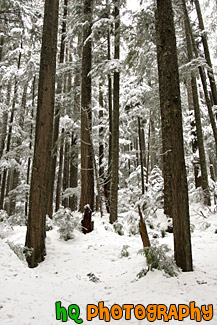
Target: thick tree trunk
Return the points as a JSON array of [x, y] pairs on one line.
[[171, 116], [87, 172], [115, 121], [35, 236], [57, 118]]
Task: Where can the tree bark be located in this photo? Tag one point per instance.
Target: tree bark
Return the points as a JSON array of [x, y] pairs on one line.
[[115, 120], [170, 104], [57, 117], [35, 236], [87, 172]]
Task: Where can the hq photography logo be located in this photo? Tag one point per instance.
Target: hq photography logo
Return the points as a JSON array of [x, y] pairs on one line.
[[151, 312]]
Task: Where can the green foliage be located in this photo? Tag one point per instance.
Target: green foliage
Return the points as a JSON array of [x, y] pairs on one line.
[[67, 223], [157, 258]]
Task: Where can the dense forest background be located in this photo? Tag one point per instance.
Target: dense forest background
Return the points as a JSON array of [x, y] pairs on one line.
[[105, 140]]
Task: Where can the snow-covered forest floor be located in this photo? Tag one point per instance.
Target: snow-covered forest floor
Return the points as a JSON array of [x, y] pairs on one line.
[[89, 269]]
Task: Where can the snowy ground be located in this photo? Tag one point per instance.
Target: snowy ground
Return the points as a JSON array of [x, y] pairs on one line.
[[28, 296]]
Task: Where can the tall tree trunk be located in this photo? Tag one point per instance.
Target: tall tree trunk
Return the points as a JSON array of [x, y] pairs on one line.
[[9, 137], [115, 120], [148, 155], [30, 143], [141, 156], [5, 120], [73, 200], [194, 141], [66, 171], [57, 117], [202, 76], [171, 115], [16, 172], [87, 172], [143, 147], [107, 186], [101, 131], [204, 175], [35, 236], [206, 52], [60, 171]]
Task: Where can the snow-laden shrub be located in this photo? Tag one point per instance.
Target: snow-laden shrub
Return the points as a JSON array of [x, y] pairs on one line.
[[196, 195], [49, 224], [67, 223], [18, 219], [124, 251], [132, 219], [5, 227], [157, 258], [118, 228]]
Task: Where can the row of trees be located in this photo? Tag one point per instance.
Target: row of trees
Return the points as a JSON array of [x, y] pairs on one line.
[[98, 115]]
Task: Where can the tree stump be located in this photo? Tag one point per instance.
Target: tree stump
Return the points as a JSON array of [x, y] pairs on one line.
[[86, 223], [143, 230]]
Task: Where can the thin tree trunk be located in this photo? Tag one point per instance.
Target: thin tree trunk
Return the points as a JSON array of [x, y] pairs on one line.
[[66, 171], [5, 120], [202, 76], [9, 138], [35, 236], [60, 171], [73, 200], [204, 175], [115, 120], [107, 186], [141, 156], [30, 143], [206, 52], [16, 172], [148, 154], [143, 147], [171, 116]]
